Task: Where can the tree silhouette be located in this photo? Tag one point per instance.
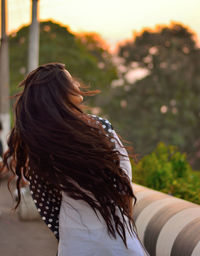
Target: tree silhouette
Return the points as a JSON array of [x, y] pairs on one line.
[[165, 104]]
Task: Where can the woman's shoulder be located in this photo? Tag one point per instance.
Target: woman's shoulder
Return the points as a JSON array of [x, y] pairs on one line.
[[105, 123]]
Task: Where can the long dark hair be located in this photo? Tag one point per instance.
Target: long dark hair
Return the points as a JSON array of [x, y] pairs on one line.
[[53, 138]]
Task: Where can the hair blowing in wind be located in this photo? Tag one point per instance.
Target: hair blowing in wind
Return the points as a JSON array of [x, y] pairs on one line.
[[56, 140]]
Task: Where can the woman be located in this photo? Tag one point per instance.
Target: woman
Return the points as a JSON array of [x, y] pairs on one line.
[[78, 170]]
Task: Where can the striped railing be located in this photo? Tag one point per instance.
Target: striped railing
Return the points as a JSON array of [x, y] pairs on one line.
[[166, 225]]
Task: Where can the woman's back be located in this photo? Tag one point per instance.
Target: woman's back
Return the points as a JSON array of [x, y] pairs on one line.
[[79, 172], [83, 234]]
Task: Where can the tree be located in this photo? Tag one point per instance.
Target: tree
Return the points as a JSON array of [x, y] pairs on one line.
[[165, 104], [58, 44]]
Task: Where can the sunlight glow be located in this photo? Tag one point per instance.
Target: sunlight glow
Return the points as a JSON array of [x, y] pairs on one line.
[[115, 20], [164, 109]]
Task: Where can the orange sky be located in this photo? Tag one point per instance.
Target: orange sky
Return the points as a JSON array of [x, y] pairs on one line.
[[115, 20]]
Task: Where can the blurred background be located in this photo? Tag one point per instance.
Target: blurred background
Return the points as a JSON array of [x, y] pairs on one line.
[[143, 55]]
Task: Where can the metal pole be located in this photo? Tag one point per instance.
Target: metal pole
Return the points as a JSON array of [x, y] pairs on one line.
[[4, 76], [33, 50]]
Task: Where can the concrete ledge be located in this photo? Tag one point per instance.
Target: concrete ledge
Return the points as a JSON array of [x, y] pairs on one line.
[[166, 225], [27, 209]]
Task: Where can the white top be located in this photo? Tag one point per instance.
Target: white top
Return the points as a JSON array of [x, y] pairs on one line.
[[83, 234]]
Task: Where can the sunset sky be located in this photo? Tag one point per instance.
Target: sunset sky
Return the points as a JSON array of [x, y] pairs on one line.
[[114, 20]]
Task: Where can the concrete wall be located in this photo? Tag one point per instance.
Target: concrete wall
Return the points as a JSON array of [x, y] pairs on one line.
[[166, 225]]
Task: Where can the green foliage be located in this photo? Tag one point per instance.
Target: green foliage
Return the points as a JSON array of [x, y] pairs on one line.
[[58, 44], [172, 59], [167, 170], [163, 105]]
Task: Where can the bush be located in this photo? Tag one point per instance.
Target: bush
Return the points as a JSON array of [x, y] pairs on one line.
[[167, 170]]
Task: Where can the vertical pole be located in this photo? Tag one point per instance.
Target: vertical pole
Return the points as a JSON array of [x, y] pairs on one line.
[[33, 49], [4, 76]]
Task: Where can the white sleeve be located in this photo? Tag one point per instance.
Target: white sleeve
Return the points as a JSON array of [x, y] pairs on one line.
[[124, 160]]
